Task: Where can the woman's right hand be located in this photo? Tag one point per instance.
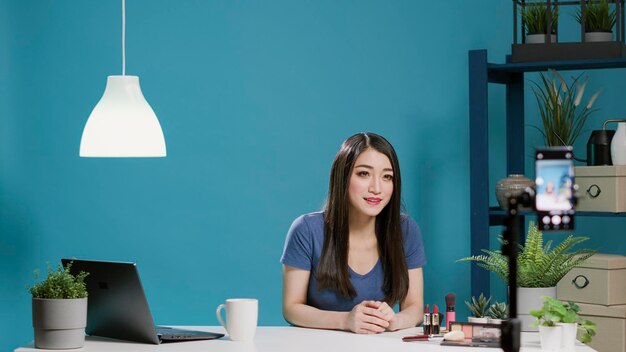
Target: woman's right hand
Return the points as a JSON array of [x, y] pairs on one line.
[[365, 318]]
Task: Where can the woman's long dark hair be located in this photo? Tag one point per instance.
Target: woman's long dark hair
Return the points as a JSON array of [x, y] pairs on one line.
[[332, 271]]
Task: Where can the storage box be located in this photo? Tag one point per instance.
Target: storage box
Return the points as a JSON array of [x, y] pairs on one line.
[[611, 326], [602, 188], [601, 279]]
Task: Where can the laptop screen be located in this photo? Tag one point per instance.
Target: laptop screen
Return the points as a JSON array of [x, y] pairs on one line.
[[117, 305]]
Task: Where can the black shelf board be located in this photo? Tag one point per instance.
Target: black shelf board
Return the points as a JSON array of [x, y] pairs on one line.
[[557, 65], [497, 212]]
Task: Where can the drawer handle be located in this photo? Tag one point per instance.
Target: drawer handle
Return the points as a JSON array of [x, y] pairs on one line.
[[584, 280], [594, 191]]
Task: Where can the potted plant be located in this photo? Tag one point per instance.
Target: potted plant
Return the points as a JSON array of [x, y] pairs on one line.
[[59, 309], [540, 267], [478, 307], [599, 21], [498, 312], [558, 315], [535, 22], [562, 115]]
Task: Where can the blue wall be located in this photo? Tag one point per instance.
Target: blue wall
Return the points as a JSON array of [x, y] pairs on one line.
[[254, 98]]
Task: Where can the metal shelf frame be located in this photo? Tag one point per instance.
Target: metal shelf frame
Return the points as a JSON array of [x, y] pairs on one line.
[[481, 74]]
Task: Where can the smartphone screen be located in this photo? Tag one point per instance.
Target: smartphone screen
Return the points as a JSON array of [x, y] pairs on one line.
[[554, 199]]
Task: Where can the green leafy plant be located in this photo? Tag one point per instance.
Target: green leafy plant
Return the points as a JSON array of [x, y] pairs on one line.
[[498, 310], [478, 307], [60, 284], [562, 115], [538, 265], [599, 17], [535, 18], [556, 311]]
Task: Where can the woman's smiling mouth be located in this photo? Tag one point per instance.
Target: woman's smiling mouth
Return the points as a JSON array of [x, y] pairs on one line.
[[373, 200]]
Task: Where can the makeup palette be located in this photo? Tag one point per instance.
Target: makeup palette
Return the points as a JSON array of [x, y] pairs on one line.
[[476, 334]]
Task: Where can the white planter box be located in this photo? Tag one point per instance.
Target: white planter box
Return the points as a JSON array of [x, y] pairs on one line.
[[611, 326], [602, 188], [600, 280]]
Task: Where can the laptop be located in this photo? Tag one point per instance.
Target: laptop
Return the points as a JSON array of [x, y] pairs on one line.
[[117, 306]]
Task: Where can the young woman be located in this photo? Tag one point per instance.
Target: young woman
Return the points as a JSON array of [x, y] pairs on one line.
[[346, 266]]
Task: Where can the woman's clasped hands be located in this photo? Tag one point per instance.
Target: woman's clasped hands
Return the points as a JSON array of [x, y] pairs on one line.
[[371, 317]]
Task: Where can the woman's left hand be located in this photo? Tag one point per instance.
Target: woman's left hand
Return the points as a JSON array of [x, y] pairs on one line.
[[388, 315]]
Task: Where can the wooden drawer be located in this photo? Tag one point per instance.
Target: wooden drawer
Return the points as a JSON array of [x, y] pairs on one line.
[[602, 188], [600, 280]]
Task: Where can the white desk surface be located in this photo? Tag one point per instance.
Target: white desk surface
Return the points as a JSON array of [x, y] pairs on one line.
[[289, 339]]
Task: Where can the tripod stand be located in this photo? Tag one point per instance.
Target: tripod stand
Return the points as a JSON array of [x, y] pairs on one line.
[[510, 341]]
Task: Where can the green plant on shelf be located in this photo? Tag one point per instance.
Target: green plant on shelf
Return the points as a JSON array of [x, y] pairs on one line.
[[562, 114], [478, 307], [599, 17], [539, 265], [60, 284], [535, 17], [555, 311], [499, 310]]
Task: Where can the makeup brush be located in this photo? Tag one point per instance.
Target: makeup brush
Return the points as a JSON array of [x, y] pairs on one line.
[[426, 324], [450, 313]]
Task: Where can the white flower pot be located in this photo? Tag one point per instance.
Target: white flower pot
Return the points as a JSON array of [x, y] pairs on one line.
[[618, 145], [59, 323], [529, 298], [568, 338], [495, 321], [598, 36], [539, 38], [551, 338], [483, 320]]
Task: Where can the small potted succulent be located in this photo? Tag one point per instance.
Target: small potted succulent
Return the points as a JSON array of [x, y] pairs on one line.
[[59, 309], [498, 312], [535, 22], [478, 308], [558, 323], [599, 21]]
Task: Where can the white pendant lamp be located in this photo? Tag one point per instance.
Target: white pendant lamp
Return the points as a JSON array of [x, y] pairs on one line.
[[122, 124]]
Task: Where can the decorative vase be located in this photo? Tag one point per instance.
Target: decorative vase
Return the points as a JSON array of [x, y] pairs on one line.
[[529, 298], [550, 337], [599, 148], [59, 323], [539, 38], [618, 145], [495, 321], [568, 335], [598, 36], [513, 185]]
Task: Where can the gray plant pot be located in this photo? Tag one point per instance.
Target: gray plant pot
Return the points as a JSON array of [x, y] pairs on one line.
[[598, 36], [539, 38], [531, 298], [59, 323]]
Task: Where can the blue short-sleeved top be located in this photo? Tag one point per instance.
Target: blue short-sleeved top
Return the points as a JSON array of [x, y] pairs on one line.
[[303, 248]]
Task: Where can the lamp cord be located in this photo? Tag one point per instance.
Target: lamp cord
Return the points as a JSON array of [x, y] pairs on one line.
[[123, 37]]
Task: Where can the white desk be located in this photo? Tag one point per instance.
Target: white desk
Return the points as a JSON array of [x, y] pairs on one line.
[[290, 339]]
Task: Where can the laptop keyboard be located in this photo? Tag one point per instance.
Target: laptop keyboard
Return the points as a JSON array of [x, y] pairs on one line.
[[171, 331], [166, 333]]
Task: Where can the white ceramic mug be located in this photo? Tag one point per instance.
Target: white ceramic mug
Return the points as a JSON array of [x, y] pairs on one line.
[[241, 318]]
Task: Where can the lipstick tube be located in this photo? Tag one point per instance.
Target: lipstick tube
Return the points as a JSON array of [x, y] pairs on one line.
[[434, 326], [426, 324]]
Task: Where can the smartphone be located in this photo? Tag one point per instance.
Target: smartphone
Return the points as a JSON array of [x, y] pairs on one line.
[[554, 192]]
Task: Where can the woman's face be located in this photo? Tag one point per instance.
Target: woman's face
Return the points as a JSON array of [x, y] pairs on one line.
[[371, 183]]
